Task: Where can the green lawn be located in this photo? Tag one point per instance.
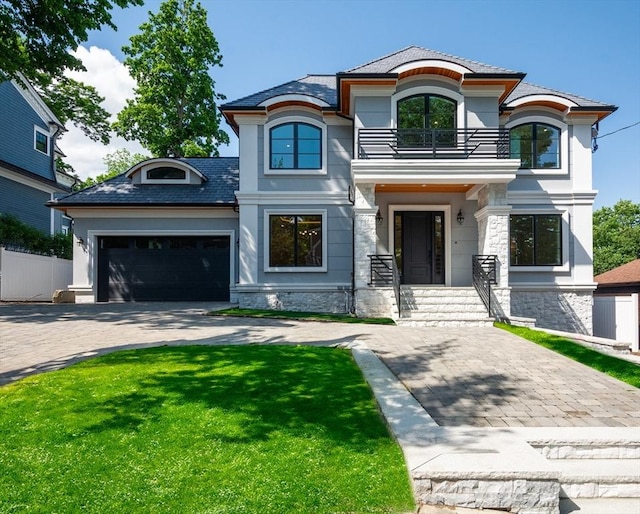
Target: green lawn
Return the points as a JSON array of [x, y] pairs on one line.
[[617, 368], [304, 316], [194, 429]]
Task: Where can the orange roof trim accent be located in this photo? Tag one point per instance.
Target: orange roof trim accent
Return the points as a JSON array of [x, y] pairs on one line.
[[431, 70]]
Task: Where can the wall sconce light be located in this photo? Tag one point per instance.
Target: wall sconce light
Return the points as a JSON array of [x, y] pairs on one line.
[[80, 242], [460, 217], [379, 218], [236, 206]]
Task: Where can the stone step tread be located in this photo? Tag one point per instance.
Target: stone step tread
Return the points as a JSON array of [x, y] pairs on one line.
[[599, 505], [623, 469], [452, 307], [438, 316]]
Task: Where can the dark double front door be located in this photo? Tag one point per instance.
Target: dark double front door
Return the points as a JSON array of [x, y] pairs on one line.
[[419, 246]]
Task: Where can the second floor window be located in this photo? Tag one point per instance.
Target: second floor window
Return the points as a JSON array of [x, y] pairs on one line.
[[426, 119], [295, 146], [41, 141], [537, 145]]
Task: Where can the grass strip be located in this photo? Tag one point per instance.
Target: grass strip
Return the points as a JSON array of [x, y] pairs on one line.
[[300, 316], [216, 429], [621, 369]]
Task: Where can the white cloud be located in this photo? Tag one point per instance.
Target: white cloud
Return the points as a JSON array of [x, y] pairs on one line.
[[112, 80]]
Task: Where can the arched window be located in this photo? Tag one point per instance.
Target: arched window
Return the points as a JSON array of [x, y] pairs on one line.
[[426, 119], [295, 146], [537, 145]]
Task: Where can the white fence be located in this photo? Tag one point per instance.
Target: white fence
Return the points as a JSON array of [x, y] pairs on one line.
[[26, 277], [616, 317]]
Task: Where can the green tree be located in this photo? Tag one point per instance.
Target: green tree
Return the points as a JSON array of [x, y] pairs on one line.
[[36, 36], [616, 235], [117, 162], [174, 112], [35, 40]]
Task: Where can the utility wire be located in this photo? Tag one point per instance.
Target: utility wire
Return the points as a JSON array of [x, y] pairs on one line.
[[620, 129]]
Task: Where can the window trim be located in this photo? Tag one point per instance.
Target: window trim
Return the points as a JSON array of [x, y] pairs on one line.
[[39, 130], [563, 141], [268, 170], [267, 213], [564, 240]]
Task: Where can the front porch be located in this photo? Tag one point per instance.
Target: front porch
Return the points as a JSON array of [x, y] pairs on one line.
[[415, 246]]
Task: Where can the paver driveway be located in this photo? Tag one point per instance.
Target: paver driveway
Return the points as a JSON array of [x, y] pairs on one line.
[[462, 376]]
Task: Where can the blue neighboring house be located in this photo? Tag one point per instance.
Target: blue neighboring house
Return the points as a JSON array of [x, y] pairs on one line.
[[28, 175]]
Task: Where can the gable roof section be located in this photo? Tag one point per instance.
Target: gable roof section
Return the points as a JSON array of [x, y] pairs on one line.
[[390, 62], [217, 191], [322, 87], [626, 274]]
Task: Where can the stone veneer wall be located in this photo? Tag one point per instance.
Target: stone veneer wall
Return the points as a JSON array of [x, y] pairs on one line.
[[569, 311], [376, 302], [336, 302]]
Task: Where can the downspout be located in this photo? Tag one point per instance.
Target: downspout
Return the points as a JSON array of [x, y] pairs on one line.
[[52, 148]]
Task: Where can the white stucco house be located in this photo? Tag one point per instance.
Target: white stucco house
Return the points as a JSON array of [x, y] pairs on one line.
[[411, 186]]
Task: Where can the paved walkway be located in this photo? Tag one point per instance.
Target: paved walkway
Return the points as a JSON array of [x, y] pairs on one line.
[[463, 377]]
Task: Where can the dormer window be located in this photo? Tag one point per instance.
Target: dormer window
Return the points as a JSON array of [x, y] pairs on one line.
[[166, 173], [41, 140]]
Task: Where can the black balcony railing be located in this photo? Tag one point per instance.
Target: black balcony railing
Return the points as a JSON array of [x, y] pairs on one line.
[[480, 143]]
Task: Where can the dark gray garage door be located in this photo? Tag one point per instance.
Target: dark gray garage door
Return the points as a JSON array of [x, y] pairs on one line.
[[163, 268]]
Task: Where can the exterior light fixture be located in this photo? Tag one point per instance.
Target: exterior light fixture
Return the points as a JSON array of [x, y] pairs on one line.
[[80, 242], [460, 217], [379, 218]]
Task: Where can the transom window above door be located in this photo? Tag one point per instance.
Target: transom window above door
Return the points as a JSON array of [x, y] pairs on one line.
[[295, 146], [425, 119]]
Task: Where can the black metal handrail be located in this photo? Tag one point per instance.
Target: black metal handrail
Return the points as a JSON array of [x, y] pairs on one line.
[[390, 143], [484, 274], [384, 272]]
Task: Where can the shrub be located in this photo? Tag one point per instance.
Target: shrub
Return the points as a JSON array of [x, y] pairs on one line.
[[15, 233]]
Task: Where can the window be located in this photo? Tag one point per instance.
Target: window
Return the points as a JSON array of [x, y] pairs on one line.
[[537, 145], [41, 141], [295, 146], [536, 239], [426, 119], [295, 241], [166, 173]]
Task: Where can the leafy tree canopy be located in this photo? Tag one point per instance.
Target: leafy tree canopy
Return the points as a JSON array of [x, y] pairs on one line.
[[616, 235], [174, 112], [35, 40], [117, 162], [36, 36]]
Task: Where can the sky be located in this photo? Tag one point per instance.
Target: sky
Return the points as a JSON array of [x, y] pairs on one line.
[[586, 47]]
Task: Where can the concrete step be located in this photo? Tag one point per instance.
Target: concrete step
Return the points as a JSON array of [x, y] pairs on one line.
[[600, 506], [485, 322], [593, 450], [598, 478], [443, 307]]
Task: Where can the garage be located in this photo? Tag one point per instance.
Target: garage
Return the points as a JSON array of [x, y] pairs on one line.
[[167, 268]]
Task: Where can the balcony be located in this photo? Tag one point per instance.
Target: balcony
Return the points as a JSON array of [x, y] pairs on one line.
[[478, 143]]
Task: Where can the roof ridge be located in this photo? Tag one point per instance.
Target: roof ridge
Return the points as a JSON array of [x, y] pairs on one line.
[[384, 57]]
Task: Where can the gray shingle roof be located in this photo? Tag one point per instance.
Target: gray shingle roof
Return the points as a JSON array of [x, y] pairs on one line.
[[527, 89], [415, 53], [322, 87], [222, 180]]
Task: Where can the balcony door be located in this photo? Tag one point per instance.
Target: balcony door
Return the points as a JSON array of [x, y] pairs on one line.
[[419, 246], [426, 121]]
